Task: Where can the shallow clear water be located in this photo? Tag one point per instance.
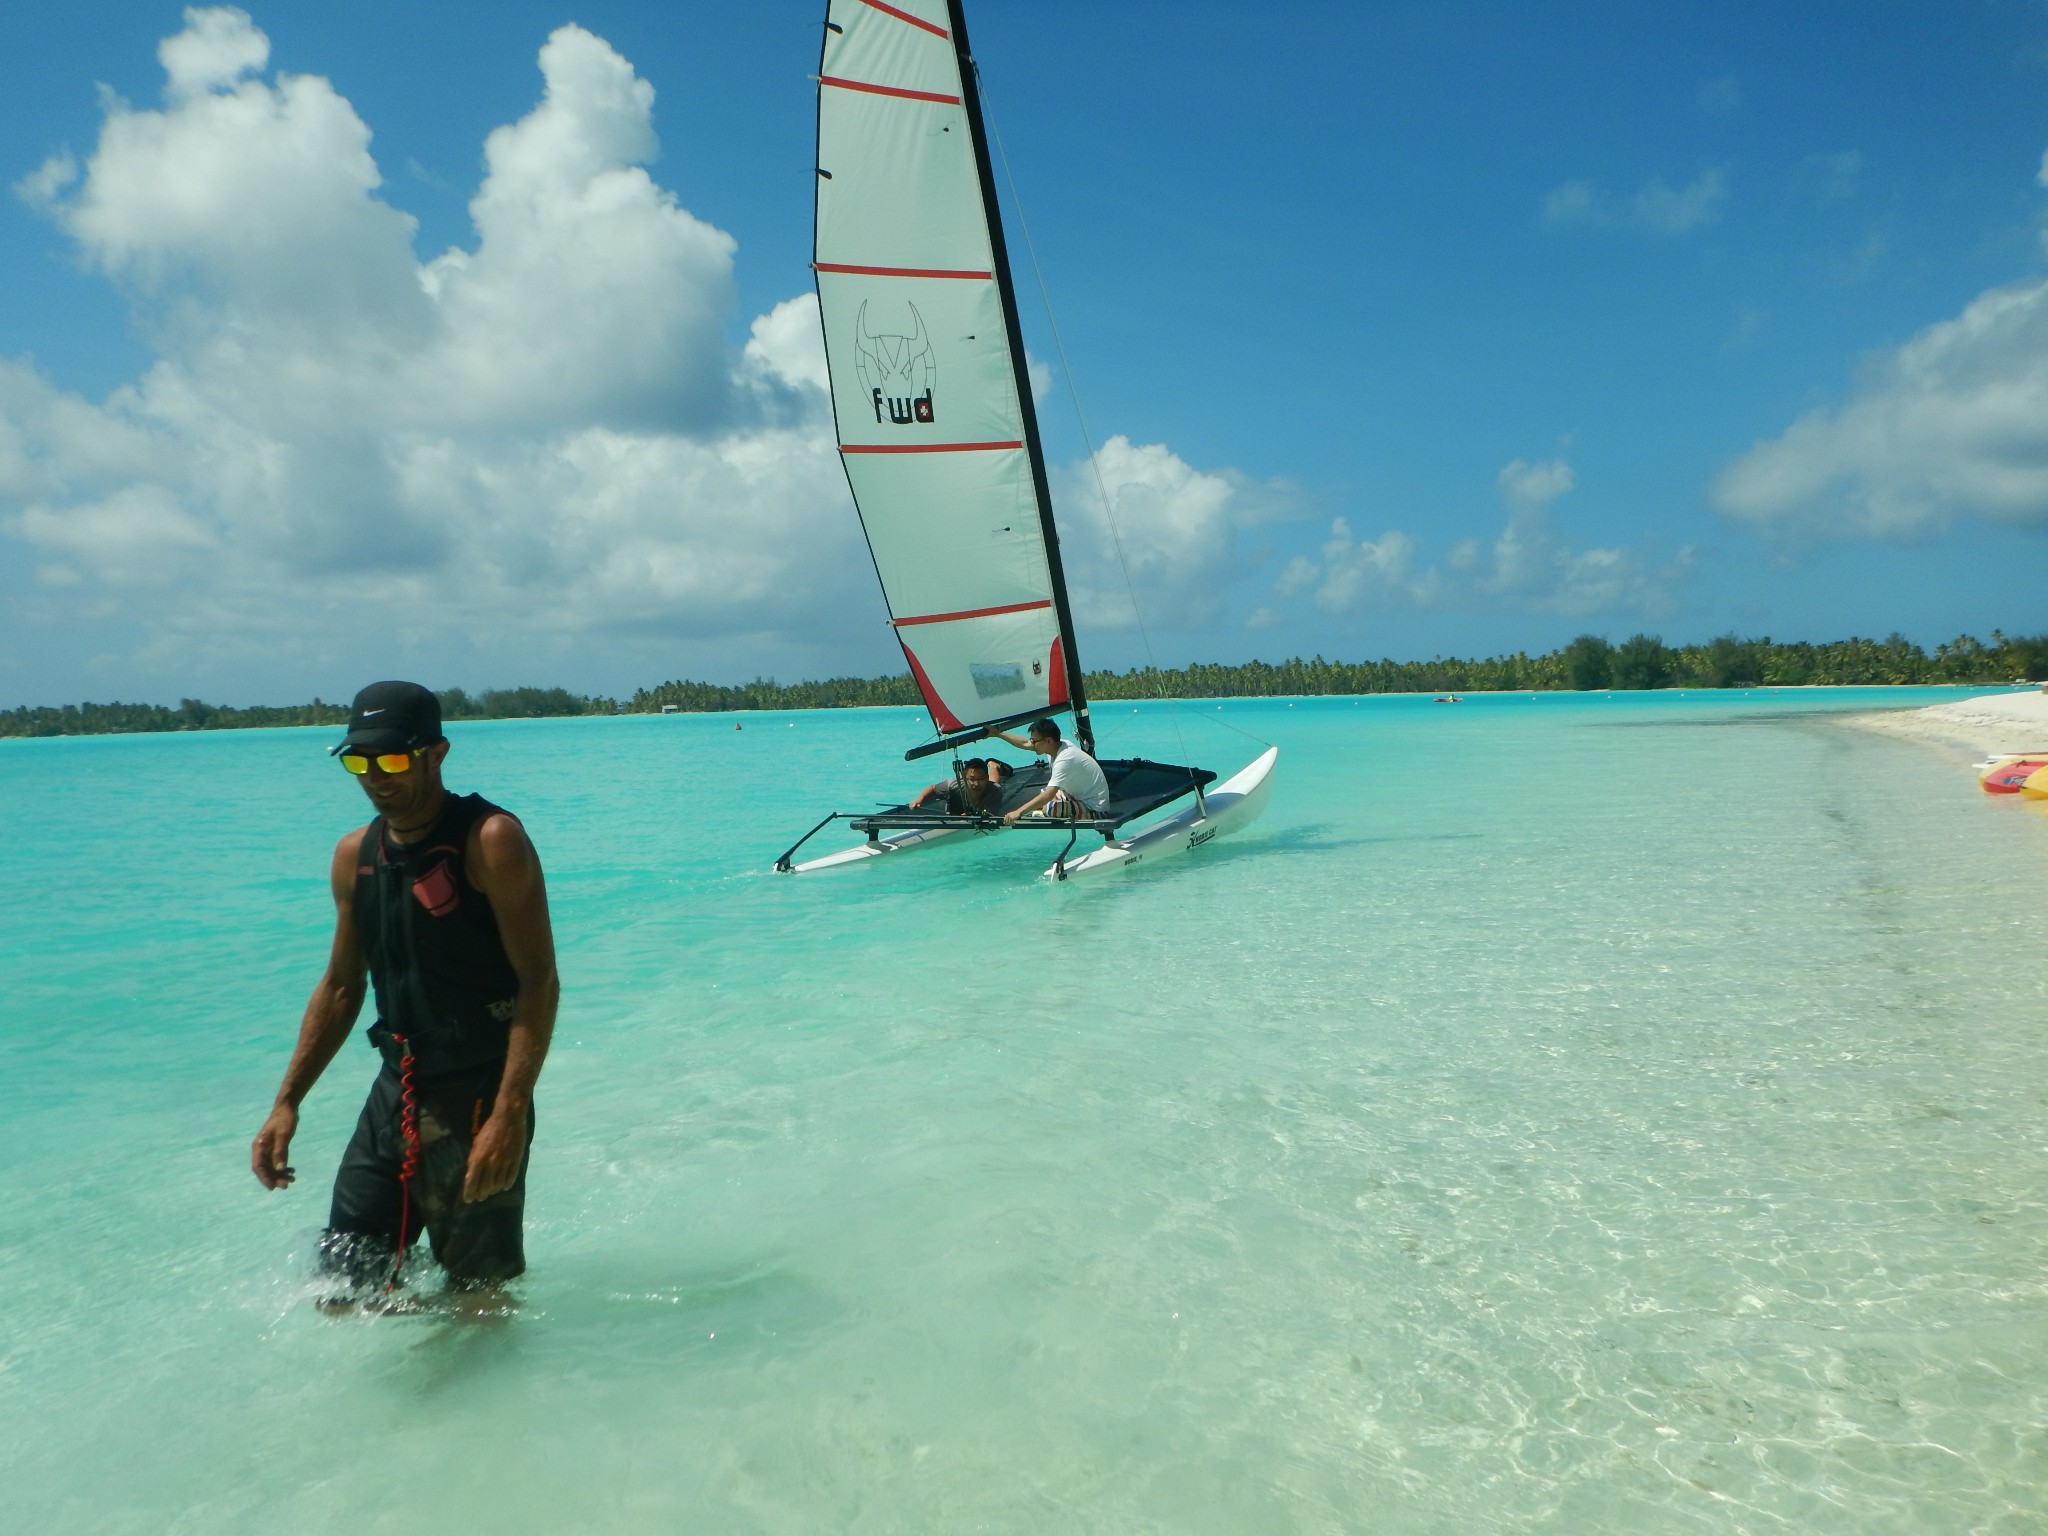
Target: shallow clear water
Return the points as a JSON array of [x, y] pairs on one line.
[[1558, 1114]]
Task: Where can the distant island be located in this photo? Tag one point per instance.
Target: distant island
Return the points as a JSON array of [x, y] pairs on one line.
[[1589, 663]]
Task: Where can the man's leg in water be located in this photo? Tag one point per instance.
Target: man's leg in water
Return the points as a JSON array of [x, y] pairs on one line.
[[480, 1245], [361, 1241]]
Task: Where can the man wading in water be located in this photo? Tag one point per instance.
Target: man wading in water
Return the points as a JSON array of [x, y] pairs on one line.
[[440, 901]]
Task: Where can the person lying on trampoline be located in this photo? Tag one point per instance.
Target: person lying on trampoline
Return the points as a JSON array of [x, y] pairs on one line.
[[971, 792]]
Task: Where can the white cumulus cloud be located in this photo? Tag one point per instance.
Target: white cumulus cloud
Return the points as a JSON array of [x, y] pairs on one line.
[[218, 46], [545, 433], [1355, 573], [1952, 424], [1526, 567], [787, 346], [552, 453], [1656, 206], [1174, 529], [588, 284]]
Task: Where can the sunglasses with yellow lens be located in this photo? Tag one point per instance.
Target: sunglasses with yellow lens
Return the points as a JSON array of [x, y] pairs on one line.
[[387, 762]]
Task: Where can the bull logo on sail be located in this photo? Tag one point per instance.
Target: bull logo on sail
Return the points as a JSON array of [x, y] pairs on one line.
[[898, 370]]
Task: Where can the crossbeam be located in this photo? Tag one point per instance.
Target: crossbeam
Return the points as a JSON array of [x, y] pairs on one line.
[[926, 821]]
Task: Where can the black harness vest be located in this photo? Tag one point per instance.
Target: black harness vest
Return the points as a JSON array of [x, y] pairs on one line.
[[437, 961]]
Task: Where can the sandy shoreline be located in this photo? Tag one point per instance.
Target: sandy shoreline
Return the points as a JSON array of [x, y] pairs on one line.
[[1981, 727]]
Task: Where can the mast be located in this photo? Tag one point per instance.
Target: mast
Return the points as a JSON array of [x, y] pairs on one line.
[[970, 91]]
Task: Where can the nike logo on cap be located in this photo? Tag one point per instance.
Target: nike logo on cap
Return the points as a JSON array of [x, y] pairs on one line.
[[369, 712]]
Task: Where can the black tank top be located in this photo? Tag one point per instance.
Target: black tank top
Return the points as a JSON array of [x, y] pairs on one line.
[[436, 959]]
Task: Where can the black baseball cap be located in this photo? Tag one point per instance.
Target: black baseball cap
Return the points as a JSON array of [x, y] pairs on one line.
[[392, 717]]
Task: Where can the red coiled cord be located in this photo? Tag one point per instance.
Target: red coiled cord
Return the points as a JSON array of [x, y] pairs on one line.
[[409, 1129]]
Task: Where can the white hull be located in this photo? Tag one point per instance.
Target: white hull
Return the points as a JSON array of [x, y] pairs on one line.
[[1234, 803], [895, 843]]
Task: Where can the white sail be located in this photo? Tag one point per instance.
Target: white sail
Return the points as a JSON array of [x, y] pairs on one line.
[[935, 428]]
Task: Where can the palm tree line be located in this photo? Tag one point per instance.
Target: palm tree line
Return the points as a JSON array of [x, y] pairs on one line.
[[1590, 662]]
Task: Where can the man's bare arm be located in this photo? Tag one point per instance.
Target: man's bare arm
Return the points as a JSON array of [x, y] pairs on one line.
[[507, 870], [1043, 797], [330, 1015]]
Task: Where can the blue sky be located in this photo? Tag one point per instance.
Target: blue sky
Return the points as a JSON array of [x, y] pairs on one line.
[[1446, 329]]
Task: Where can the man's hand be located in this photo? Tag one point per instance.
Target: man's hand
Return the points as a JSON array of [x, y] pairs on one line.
[[494, 1157], [272, 1146], [1043, 797]]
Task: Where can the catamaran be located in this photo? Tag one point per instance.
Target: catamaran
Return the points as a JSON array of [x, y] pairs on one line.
[[939, 439]]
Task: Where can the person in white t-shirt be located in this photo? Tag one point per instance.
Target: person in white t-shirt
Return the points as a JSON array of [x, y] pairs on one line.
[[1075, 788]]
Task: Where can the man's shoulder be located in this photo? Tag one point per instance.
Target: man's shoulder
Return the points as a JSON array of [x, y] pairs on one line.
[[476, 813], [344, 866], [497, 835]]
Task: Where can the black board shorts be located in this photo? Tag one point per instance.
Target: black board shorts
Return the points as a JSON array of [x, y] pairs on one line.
[[476, 1244]]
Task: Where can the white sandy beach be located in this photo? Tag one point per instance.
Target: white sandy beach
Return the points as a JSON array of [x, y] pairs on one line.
[[1985, 726]]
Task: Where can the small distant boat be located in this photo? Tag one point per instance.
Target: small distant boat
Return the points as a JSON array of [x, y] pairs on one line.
[[2009, 775], [1447, 698]]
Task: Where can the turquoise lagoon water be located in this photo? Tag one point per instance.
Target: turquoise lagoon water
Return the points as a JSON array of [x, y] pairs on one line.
[[1558, 1115]]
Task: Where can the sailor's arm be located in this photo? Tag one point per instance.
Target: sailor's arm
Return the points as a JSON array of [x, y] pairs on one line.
[[1011, 737], [1043, 797], [330, 1015], [926, 793], [507, 870]]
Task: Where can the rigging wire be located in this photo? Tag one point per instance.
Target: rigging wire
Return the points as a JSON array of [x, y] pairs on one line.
[[1173, 706]]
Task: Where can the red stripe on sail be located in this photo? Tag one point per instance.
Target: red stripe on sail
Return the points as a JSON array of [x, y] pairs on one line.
[[915, 21], [835, 266], [942, 717], [1056, 670], [974, 613], [888, 90], [926, 447]]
